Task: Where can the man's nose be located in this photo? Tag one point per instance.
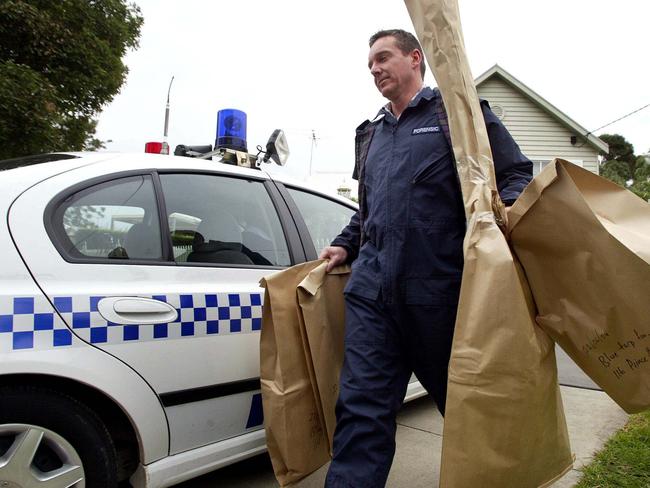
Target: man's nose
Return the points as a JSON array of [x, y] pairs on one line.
[[374, 70]]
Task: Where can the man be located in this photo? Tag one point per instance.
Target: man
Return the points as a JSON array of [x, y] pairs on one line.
[[405, 245]]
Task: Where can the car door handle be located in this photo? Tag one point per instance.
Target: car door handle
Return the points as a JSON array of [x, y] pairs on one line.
[[136, 310]]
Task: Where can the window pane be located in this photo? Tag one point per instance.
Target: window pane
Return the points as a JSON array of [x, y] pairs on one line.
[[325, 218], [115, 220], [217, 219], [538, 166]]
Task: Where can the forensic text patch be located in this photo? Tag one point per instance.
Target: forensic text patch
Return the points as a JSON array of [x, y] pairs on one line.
[[425, 130]]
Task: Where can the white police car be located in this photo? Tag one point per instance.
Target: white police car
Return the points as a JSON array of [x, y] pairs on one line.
[[130, 312]]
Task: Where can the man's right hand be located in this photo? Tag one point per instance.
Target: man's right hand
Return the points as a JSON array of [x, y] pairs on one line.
[[336, 254]]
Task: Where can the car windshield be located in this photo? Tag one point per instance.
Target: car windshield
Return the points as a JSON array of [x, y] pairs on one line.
[[31, 160]]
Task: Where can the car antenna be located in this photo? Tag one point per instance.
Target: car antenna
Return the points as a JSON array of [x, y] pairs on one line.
[[165, 149]]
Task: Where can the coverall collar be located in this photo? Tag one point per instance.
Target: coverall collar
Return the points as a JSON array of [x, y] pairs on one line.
[[425, 93]]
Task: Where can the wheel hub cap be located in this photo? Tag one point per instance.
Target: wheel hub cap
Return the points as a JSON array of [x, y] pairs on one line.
[[17, 468]]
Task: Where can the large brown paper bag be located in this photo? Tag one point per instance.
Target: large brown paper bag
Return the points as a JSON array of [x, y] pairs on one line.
[[301, 354], [504, 423], [321, 300], [585, 245]]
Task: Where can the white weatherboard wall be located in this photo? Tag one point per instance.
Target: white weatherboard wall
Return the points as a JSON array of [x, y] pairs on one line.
[[540, 135]]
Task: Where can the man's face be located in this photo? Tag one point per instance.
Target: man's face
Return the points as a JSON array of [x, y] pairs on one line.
[[392, 70]]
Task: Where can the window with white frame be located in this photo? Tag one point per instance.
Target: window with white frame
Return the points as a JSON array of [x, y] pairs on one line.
[[538, 166]]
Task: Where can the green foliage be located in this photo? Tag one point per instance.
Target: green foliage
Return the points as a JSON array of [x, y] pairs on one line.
[[642, 189], [625, 460], [616, 171], [642, 169], [27, 111], [60, 63], [624, 168], [619, 148], [641, 185]]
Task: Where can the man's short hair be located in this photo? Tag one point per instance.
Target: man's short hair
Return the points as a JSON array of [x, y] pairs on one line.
[[405, 41]]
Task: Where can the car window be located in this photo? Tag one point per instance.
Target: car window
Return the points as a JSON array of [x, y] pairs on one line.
[[223, 220], [325, 218], [113, 220]]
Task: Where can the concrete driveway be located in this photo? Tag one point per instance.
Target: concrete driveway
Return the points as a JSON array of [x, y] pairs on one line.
[[592, 417]]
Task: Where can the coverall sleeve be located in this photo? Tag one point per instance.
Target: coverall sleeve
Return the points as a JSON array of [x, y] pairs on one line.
[[350, 238], [513, 170]]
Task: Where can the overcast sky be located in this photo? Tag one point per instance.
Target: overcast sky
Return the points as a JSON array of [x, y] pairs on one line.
[[302, 66]]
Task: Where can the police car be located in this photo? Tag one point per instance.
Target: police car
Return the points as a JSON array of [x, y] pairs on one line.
[[130, 310]]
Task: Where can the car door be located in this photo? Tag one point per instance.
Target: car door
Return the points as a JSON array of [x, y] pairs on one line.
[[162, 272]]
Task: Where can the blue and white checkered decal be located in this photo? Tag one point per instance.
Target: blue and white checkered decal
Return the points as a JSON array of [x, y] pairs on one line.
[[29, 322]]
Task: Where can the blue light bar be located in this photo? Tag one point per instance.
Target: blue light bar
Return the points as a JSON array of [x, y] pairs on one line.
[[231, 129]]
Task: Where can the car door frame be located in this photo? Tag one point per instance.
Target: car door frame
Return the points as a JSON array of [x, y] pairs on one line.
[[305, 236]]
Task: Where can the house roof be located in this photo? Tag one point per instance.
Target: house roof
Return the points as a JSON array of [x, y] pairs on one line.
[[498, 71]]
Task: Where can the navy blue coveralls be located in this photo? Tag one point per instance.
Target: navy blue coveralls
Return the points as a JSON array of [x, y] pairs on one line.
[[405, 244]]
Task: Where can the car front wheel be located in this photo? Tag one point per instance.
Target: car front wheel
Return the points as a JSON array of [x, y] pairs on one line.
[[49, 439]]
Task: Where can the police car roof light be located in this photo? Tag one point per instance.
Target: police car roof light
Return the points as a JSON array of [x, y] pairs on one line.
[[231, 130], [154, 148]]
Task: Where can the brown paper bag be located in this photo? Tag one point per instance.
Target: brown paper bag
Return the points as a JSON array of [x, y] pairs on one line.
[[321, 300], [301, 353], [504, 424], [585, 245]]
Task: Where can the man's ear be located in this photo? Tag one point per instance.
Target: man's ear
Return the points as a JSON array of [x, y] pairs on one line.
[[416, 56]]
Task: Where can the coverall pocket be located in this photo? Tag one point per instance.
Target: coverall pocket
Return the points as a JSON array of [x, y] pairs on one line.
[[363, 283], [428, 169], [365, 321]]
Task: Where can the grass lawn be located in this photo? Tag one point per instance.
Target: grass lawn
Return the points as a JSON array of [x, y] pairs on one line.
[[624, 462]]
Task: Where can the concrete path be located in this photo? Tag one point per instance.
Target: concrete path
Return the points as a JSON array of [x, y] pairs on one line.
[[569, 374], [592, 417]]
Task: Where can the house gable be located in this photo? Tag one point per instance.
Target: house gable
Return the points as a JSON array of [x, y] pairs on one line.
[[540, 129]]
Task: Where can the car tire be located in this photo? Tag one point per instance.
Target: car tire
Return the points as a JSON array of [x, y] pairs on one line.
[[69, 440]]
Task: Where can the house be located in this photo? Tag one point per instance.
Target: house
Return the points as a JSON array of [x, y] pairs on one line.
[[542, 131]]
